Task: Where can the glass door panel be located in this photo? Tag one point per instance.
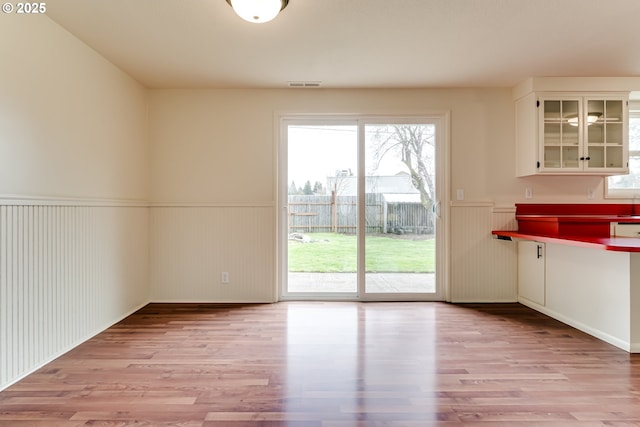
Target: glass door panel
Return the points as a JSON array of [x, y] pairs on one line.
[[570, 157], [561, 134], [596, 157], [605, 133], [570, 109], [552, 134], [614, 157], [322, 209], [399, 209], [570, 134]]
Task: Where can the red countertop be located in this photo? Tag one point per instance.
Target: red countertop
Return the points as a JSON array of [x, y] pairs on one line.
[[620, 244], [577, 225]]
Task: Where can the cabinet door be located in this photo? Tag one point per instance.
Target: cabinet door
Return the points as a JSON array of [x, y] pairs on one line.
[[561, 137], [606, 132], [572, 133], [531, 271]]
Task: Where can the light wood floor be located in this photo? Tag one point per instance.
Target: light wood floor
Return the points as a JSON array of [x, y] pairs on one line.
[[333, 364]]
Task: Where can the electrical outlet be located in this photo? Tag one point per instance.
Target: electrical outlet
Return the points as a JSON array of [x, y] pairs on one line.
[[224, 277], [590, 193], [528, 193]]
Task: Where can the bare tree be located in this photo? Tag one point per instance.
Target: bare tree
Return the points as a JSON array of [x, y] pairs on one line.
[[415, 147], [337, 185]]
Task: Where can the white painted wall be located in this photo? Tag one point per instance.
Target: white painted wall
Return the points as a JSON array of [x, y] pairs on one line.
[[71, 123], [218, 147], [74, 180], [192, 245]]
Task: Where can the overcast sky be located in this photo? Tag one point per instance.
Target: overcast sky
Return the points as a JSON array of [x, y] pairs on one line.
[[316, 152]]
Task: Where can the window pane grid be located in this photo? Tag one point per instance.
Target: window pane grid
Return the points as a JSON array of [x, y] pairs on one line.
[[629, 185]]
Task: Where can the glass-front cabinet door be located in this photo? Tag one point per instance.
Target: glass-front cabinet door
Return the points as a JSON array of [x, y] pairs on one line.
[[605, 134], [562, 141], [583, 134]]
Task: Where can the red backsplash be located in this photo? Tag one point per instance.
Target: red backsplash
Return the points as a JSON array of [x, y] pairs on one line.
[[576, 209], [572, 219]]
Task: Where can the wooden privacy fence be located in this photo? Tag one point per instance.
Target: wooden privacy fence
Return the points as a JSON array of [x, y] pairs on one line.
[[326, 214]]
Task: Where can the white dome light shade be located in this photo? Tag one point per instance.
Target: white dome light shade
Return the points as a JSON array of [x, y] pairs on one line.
[[258, 11]]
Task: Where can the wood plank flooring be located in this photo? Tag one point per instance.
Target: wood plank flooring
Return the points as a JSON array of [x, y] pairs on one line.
[[332, 364]]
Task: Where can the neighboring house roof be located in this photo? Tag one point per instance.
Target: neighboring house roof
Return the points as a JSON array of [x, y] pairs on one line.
[[402, 198], [396, 184]]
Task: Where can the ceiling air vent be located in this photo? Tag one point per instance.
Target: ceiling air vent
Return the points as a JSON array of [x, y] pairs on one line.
[[304, 84]]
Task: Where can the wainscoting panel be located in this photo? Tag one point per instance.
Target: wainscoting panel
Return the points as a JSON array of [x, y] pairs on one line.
[[483, 269], [66, 273], [504, 219], [192, 245]]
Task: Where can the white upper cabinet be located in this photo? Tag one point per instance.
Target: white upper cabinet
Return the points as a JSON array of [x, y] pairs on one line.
[[572, 133]]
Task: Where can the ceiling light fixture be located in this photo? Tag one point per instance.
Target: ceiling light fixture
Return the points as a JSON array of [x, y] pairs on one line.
[[591, 119], [258, 11]]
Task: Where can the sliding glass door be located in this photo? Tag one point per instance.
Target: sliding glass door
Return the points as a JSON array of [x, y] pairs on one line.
[[321, 209], [400, 208], [359, 205]]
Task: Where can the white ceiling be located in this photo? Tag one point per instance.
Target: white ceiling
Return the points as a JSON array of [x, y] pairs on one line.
[[359, 43]]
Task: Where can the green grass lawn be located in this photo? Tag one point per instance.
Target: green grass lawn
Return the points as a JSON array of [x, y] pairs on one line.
[[336, 253]]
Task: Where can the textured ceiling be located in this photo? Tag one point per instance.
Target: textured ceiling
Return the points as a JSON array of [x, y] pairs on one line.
[[359, 43]]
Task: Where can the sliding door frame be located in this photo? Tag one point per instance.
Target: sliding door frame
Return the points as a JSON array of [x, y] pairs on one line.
[[441, 119]]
